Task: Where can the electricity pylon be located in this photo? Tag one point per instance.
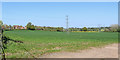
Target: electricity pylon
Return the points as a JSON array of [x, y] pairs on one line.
[[67, 27]]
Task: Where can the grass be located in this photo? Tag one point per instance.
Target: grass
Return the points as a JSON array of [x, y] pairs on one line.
[[41, 42]]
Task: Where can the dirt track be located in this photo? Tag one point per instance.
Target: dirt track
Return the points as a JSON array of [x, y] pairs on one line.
[[109, 51]]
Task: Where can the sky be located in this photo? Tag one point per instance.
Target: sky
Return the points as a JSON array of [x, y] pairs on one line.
[[80, 14], [60, 0]]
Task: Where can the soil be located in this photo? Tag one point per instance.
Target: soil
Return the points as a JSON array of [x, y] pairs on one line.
[[109, 51]]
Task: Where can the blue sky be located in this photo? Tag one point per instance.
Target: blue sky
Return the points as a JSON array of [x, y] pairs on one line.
[[59, 0], [53, 13]]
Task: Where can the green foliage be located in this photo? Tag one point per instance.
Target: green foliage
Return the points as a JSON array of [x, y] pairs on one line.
[[59, 29], [118, 30], [10, 27], [41, 42], [84, 29], [114, 27], [32, 27], [29, 25], [1, 23]]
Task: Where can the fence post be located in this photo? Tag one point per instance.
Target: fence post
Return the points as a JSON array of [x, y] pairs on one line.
[[0, 45], [2, 54]]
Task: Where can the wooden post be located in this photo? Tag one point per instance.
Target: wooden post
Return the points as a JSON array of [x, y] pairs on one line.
[[2, 53]]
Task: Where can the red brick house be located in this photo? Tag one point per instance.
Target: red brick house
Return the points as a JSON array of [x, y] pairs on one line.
[[15, 26], [18, 27]]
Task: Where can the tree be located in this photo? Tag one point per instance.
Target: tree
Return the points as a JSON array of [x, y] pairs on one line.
[[10, 27], [1, 23], [32, 27], [114, 27], [106, 30], [59, 29], [84, 29], [118, 28], [29, 25]]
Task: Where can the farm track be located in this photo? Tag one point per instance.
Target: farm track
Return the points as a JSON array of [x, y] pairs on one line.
[[109, 51]]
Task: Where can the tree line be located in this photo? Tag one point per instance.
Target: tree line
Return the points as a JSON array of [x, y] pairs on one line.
[[30, 26]]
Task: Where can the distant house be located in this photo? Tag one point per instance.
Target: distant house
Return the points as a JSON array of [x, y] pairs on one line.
[[25, 27], [22, 28], [15, 26], [18, 27]]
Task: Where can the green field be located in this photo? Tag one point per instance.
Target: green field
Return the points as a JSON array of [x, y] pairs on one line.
[[43, 42]]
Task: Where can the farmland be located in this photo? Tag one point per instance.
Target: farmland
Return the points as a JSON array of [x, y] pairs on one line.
[[36, 43]]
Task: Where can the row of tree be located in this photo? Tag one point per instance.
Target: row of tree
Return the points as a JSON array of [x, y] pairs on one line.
[[30, 26], [112, 28]]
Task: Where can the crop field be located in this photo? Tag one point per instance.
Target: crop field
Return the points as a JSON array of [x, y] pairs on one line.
[[36, 43]]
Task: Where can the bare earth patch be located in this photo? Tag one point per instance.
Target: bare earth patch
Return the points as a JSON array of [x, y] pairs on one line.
[[109, 51]]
